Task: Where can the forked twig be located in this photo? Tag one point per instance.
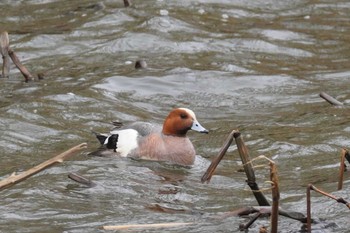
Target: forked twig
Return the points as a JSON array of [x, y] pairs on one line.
[[7, 52], [14, 179], [248, 167], [308, 202]]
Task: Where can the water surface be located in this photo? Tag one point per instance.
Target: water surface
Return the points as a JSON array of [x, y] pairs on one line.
[[256, 66]]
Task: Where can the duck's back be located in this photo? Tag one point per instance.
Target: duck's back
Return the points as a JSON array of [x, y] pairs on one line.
[[142, 128]]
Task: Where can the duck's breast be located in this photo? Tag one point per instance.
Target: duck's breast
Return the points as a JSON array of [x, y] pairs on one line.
[[166, 148]]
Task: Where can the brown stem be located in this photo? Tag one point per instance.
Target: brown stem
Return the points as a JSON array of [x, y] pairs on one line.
[[275, 197], [308, 207], [341, 168], [4, 47], [143, 226], [265, 210], [211, 169], [14, 179], [338, 199], [249, 171], [330, 99], [19, 65], [251, 221], [127, 3]]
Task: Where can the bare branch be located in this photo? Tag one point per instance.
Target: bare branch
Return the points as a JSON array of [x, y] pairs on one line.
[[14, 179]]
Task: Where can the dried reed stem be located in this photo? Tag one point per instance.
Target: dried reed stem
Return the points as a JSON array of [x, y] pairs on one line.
[[27, 76], [14, 179], [4, 47], [308, 202], [275, 197], [211, 169], [338, 199], [143, 226], [7, 52], [341, 169], [308, 208], [249, 170]]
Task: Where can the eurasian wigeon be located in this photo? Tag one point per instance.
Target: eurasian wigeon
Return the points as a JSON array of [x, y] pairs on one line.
[[152, 142]]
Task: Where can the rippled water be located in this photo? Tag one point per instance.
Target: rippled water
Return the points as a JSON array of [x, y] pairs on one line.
[[256, 66]]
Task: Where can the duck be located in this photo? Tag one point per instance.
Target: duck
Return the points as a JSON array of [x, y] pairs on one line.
[[148, 141]]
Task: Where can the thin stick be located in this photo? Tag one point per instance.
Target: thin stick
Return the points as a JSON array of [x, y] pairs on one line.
[[308, 202], [264, 210], [4, 49], [275, 193], [341, 168], [308, 208], [19, 65], [81, 179], [249, 170], [251, 221], [156, 225], [338, 199], [211, 169], [330, 99], [14, 179], [275, 197]]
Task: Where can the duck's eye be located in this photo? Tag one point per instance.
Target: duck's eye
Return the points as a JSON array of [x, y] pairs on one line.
[[183, 116]]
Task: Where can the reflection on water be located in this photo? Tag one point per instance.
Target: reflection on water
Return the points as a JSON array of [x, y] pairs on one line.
[[253, 66]]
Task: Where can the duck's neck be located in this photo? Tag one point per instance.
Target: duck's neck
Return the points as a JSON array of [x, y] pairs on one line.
[[176, 133]]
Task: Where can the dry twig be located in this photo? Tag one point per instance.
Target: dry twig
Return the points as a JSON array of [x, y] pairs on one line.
[[14, 179], [143, 226], [4, 48], [7, 52], [344, 155], [308, 202], [211, 169]]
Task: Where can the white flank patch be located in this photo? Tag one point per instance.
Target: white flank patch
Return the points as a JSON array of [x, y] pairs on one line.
[[127, 141]]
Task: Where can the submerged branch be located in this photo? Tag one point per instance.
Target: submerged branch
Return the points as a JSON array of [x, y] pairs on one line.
[[330, 99], [265, 210], [81, 179]]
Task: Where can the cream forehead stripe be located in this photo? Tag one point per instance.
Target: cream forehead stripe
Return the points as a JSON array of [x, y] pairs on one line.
[[190, 112]]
